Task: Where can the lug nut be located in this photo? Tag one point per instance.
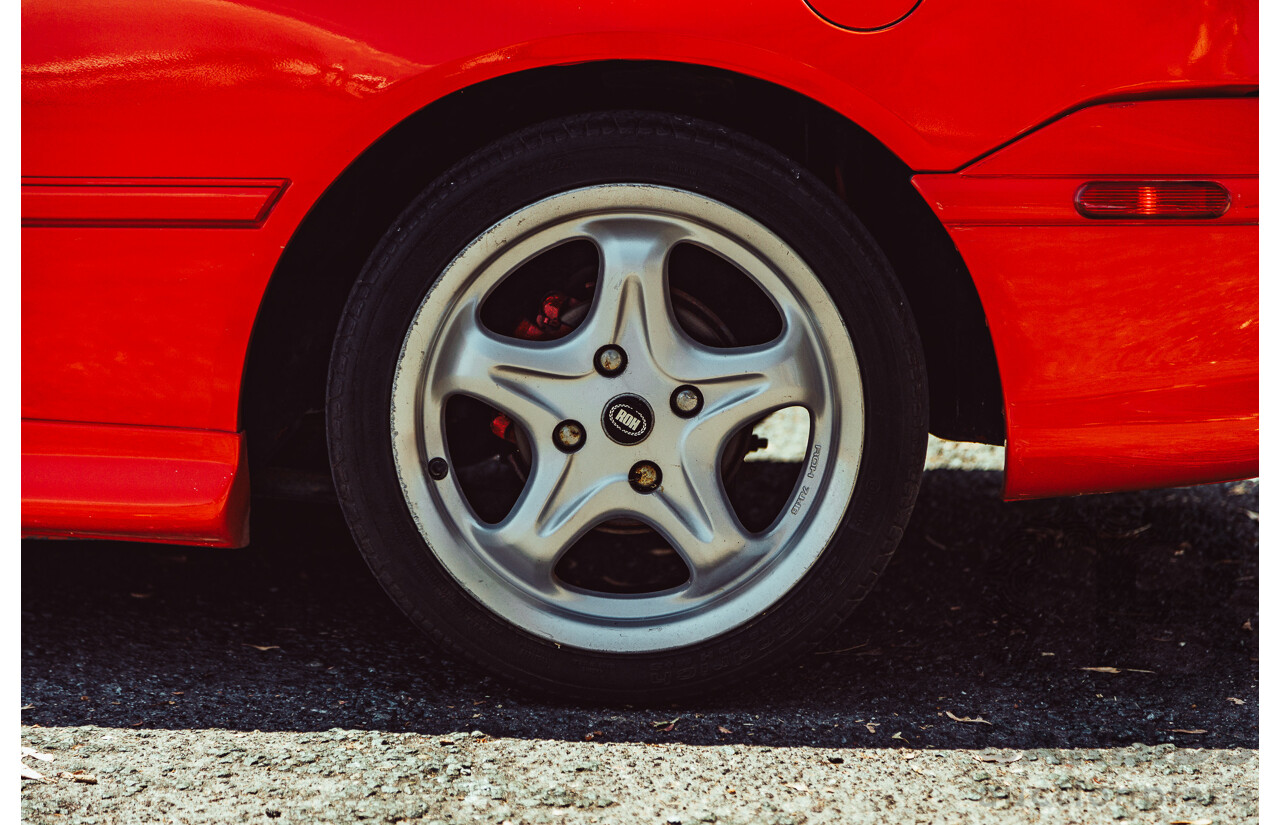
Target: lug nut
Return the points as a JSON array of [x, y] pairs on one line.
[[610, 360], [437, 468], [686, 401], [570, 436], [645, 477]]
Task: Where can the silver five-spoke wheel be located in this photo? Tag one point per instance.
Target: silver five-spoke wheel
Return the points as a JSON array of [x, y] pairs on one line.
[[734, 573]]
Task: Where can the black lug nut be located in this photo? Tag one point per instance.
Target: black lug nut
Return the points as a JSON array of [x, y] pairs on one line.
[[437, 468], [645, 477], [611, 360], [569, 436], [686, 401]]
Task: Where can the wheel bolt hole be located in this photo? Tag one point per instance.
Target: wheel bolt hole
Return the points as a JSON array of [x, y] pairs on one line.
[[611, 360], [645, 477], [569, 436], [437, 468], [686, 401]]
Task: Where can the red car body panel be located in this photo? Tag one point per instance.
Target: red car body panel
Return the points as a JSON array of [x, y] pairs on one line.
[[147, 483], [226, 121], [1128, 350]]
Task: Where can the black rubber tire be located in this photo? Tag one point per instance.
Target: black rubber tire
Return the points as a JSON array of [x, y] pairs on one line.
[[637, 147]]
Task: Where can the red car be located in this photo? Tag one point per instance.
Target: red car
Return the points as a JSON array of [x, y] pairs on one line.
[[547, 267]]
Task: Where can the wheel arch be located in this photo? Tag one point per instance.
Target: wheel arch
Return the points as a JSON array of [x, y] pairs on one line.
[[293, 332]]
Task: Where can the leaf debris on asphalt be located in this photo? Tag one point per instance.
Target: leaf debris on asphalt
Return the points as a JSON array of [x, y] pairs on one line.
[[32, 773], [841, 650], [978, 719], [666, 725], [1116, 670], [80, 776], [723, 729], [261, 647], [1233, 700], [1127, 534], [1182, 730]]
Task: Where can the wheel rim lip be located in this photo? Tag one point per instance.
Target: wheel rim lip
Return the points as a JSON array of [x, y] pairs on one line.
[[648, 622]]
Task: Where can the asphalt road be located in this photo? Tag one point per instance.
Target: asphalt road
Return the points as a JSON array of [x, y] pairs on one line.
[[278, 684]]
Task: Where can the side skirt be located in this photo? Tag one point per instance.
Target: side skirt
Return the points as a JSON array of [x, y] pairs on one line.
[[160, 484]]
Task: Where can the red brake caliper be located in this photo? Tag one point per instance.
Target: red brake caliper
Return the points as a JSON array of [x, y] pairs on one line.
[[546, 326]]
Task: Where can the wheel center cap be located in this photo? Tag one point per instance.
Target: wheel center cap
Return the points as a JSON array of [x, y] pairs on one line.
[[627, 419]]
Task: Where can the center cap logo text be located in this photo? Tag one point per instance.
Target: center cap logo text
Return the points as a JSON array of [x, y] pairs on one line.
[[627, 419]]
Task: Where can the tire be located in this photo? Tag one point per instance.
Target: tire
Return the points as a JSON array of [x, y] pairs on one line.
[[709, 262]]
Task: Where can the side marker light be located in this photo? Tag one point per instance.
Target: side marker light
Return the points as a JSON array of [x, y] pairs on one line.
[[1143, 200]]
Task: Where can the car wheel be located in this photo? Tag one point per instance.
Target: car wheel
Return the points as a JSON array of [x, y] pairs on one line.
[[547, 394]]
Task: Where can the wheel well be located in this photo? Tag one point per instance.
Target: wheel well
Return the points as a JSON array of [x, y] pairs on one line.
[[293, 333]]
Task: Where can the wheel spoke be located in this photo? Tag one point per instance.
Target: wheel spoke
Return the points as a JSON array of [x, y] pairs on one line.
[[631, 304], [694, 513], [525, 379], [745, 384], [556, 507]]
